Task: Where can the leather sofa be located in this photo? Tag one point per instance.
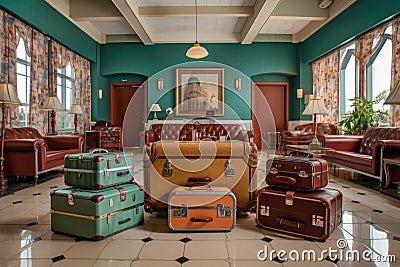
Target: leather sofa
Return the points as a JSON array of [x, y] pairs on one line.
[[28, 153], [187, 132], [303, 134], [364, 154]]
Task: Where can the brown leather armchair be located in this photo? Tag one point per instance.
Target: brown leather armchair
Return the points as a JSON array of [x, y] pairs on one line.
[[303, 134], [28, 153], [364, 154]]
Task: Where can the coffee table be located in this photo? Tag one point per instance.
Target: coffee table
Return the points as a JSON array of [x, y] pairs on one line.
[[315, 152]]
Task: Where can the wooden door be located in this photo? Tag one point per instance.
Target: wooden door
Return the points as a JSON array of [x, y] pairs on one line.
[[120, 98], [271, 117]]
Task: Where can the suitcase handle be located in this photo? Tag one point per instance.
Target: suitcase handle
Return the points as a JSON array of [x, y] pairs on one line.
[[199, 179], [124, 221], [194, 219], [291, 223], [286, 179], [202, 187], [99, 150], [198, 184]]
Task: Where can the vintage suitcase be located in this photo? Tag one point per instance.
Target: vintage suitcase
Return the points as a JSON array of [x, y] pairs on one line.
[[297, 173], [201, 208], [98, 169], [229, 164], [96, 214], [309, 214]]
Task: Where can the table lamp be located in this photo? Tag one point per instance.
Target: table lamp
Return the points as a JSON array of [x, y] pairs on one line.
[[314, 107], [8, 97], [155, 108], [52, 104], [75, 109]]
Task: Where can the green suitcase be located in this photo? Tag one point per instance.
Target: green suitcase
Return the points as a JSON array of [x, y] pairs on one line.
[[96, 214], [98, 169]]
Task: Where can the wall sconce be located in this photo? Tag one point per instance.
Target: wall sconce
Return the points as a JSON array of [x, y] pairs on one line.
[[160, 84], [100, 93], [299, 93], [238, 83]]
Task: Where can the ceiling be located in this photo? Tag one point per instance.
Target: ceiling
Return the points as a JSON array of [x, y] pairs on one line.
[[218, 21]]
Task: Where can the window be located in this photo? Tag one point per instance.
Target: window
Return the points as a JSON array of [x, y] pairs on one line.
[[348, 81], [379, 69], [65, 92], [23, 81]]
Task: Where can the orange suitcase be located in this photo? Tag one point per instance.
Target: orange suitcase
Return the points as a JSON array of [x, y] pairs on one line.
[[169, 164], [201, 208]]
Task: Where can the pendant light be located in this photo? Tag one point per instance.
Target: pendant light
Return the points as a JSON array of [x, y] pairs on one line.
[[196, 51]]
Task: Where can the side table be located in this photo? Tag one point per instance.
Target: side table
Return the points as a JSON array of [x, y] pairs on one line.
[[386, 163]]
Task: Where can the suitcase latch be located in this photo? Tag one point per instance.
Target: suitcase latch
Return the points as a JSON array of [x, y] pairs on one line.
[[71, 197], [303, 174], [111, 203], [108, 218], [122, 194], [134, 197], [317, 221], [109, 164], [167, 171], [229, 171], [223, 211], [80, 159], [118, 158], [181, 211], [289, 198], [106, 173], [273, 170], [264, 210]]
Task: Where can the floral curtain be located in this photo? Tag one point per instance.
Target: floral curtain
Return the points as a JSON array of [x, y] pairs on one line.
[[395, 110], [326, 85], [39, 81], [60, 57], [365, 47]]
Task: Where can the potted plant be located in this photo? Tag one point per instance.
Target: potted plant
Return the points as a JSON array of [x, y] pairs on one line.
[[363, 116]]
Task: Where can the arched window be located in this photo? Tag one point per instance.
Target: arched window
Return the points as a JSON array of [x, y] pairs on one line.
[[348, 79], [65, 92], [23, 81]]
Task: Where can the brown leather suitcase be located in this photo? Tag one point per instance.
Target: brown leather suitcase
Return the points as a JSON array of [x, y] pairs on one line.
[[200, 209], [296, 173], [309, 214], [229, 164]]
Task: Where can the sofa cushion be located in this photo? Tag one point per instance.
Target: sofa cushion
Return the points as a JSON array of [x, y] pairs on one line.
[[60, 154], [348, 156]]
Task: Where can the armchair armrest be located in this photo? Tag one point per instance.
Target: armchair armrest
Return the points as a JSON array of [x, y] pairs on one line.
[[391, 147], [64, 142], [149, 136], [341, 142], [23, 145]]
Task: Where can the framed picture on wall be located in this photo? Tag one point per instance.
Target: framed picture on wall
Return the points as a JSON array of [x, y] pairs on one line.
[[198, 91]]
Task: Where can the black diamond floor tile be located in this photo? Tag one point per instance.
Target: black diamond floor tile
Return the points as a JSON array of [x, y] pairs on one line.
[[378, 211], [397, 238], [32, 223], [355, 201], [185, 240], [17, 202], [360, 193], [37, 194], [147, 239], [58, 258], [335, 261], [266, 239], [279, 260], [182, 260]]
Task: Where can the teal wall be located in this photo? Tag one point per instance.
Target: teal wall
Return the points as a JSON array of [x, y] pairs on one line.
[[265, 61]]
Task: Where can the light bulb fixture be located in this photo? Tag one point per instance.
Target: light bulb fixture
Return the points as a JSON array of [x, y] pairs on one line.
[[299, 93], [100, 93], [238, 83], [160, 84], [196, 51]]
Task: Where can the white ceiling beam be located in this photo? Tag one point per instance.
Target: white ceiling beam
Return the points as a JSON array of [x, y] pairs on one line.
[[337, 7], [273, 38], [130, 10], [262, 11], [217, 37], [188, 11], [299, 10], [93, 10]]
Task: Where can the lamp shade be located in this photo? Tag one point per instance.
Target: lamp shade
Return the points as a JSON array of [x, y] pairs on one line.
[[52, 103], [197, 51], [155, 107], [315, 106], [8, 97], [394, 95], [75, 109]]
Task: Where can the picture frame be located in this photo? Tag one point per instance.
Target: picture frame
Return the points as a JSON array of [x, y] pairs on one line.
[[199, 91]]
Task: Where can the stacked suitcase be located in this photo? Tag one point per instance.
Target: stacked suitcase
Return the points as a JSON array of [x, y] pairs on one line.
[[296, 201], [104, 198]]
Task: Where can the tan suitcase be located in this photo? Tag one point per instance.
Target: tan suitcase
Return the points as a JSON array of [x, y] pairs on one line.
[[200, 209], [229, 164]]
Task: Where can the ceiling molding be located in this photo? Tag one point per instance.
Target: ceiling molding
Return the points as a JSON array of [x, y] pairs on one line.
[[130, 10], [262, 11], [337, 7], [189, 11], [85, 10], [216, 37], [299, 10], [123, 38], [273, 38]]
